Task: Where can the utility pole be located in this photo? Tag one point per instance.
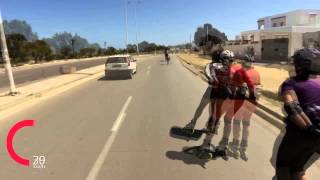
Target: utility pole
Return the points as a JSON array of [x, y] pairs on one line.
[[72, 44], [207, 34], [135, 4], [135, 16], [127, 34], [190, 42], [6, 59]]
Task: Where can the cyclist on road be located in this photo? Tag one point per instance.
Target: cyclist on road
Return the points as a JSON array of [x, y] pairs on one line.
[[166, 55], [301, 97]]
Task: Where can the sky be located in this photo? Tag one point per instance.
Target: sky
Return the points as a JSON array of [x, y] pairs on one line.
[[167, 22]]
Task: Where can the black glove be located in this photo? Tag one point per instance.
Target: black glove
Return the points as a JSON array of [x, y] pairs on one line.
[[240, 92], [252, 96], [314, 130]]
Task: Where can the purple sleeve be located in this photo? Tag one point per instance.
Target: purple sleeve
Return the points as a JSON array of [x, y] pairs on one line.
[[287, 86]]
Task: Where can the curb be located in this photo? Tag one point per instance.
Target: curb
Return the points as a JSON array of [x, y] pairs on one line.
[[264, 112], [6, 109]]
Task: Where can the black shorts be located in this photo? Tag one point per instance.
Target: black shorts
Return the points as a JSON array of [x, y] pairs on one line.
[[296, 149], [219, 93]]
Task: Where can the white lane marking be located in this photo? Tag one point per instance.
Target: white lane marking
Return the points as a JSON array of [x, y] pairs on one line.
[[114, 131], [149, 70]]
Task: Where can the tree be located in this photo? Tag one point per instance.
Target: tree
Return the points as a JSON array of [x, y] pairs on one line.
[[20, 27], [214, 36], [95, 46], [16, 44], [61, 40], [132, 48], [66, 52], [87, 52], [38, 50], [143, 46], [101, 52], [110, 51]]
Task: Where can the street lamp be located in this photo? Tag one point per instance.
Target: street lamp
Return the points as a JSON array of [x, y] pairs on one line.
[[136, 22], [6, 58], [126, 16], [72, 44]]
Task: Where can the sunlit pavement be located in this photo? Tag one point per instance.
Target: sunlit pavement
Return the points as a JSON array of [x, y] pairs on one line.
[[119, 129]]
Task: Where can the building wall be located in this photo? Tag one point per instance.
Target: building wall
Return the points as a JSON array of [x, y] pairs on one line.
[[295, 43], [311, 40], [275, 50], [293, 18], [241, 50], [301, 18]]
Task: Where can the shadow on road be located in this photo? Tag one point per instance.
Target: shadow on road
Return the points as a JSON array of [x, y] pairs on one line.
[[276, 145], [116, 78], [164, 62], [186, 158]]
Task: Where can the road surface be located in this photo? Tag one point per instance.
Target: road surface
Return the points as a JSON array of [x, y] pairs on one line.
[[119, 130], [24, 75]]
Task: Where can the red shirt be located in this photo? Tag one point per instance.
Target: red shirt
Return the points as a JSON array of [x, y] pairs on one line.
[[249, 76]]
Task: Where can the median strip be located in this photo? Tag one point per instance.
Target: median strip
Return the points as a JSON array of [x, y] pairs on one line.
[[45, 89]]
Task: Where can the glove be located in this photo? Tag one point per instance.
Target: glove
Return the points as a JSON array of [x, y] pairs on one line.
[[252, 96], [314, 130], [242, 92]]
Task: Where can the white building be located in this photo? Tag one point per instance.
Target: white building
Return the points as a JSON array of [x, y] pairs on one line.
[[278, 36]]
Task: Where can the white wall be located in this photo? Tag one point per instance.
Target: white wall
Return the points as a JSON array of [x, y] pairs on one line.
[[242, 49]]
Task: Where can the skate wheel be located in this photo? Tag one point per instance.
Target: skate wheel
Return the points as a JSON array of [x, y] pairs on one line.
[[205, 155]]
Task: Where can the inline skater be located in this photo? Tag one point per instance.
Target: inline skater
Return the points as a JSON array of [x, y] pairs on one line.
[[207, 96], [221, 91], [301, 97], [247, 106], [241, 86]]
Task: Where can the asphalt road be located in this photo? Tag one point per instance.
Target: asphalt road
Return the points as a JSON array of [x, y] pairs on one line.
[[24, 75], [119, 130]]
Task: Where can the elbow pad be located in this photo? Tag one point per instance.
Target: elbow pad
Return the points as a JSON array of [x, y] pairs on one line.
[[293, 108]]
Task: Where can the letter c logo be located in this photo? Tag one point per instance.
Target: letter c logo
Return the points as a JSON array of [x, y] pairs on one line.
[[11, 134]]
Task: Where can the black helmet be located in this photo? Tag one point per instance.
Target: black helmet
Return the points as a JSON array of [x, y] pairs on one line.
[[247, 60], [307, 61]]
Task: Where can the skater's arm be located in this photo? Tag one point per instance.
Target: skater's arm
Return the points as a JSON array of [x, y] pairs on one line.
[[292, 107], [211, 75], [208, 74]]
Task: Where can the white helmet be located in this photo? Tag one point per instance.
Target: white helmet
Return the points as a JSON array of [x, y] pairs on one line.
[[227, 54]]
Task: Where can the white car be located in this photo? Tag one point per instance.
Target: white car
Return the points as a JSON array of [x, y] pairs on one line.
[[121, 65]]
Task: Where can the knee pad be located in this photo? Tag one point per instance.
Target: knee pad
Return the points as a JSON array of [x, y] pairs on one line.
[[246, 122], [236, 122], [228, 121]]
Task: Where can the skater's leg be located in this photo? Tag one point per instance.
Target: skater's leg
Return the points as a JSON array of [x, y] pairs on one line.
[[212, 124], [237, 126], [246, 129], [236, 129], [228, 120], [203, 103]]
